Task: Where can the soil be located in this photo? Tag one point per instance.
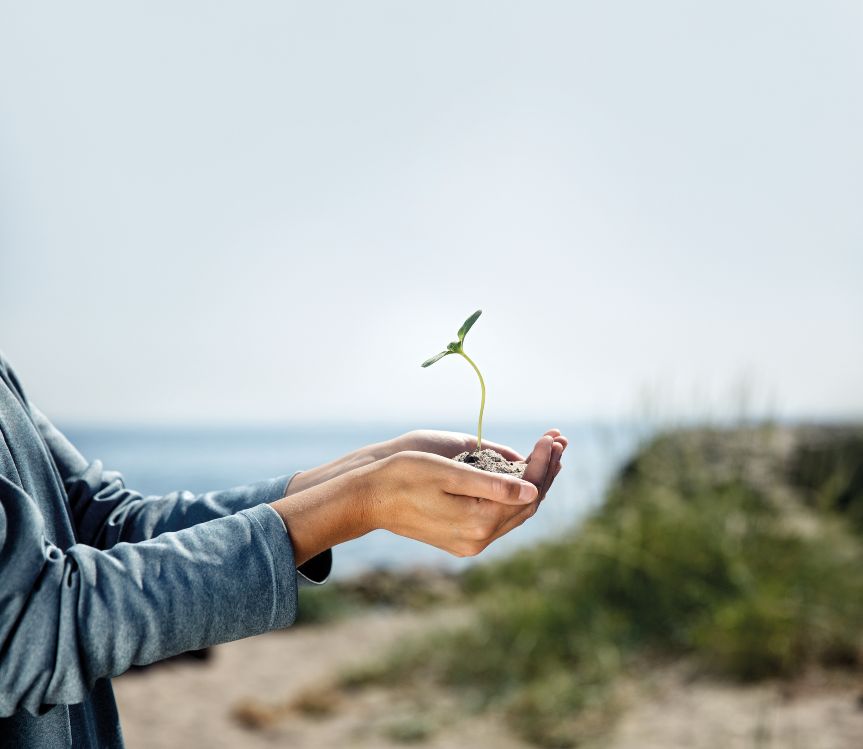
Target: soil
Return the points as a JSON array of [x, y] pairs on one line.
[[492, 461]]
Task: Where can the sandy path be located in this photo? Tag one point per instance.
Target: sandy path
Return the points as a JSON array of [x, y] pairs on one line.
[[190, 705], [825, 714]]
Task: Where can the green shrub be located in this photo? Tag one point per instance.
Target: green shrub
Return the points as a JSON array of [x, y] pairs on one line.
[[689, 556], [827, 468], [325, 603]]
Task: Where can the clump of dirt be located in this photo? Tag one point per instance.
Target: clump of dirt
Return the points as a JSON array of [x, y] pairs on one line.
[[492, 461]]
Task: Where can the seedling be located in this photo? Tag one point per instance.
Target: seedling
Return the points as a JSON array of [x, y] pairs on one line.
[[457, 347]]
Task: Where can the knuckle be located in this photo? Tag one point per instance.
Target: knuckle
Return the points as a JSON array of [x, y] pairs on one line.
[[451, 483], [396, 468], [498, 514], [473, 548], [499, 487], [408, 460], [467, 548], [414, 438], [511, 490], [399, 461]]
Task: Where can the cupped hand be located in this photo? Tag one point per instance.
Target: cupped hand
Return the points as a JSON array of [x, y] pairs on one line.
[[450, 505], [543, 462], [494, 511], [420, 495], [446, 444]]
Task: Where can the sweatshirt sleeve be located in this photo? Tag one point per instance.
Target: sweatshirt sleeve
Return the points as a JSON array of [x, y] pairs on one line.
[[70, 618], [105, 512]]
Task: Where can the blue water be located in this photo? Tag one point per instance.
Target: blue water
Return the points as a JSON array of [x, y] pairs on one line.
[[158, 460]]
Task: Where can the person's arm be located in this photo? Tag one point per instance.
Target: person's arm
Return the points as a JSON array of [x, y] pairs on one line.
[[68, 618], [432, 499], [106, 512]]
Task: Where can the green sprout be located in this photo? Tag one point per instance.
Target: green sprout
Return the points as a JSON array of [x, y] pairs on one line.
[[457, 347]]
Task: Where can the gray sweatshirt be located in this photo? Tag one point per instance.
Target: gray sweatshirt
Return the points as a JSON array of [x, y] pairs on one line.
[[95, 578]]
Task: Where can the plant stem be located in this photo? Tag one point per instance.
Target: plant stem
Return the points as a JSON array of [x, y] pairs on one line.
[[481, 403]]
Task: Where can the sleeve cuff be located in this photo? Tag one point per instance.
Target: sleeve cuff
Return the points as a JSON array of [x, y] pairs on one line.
[[269, 490], [317, 569], [284, 580]]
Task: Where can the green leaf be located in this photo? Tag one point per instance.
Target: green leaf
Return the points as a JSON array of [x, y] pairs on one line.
[[468, 324], [454, 347], [441, 355]]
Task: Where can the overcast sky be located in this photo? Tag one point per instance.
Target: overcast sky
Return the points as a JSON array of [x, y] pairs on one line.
[[275, 211]]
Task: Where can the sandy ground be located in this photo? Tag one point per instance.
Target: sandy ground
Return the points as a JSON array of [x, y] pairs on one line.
[[194, 704], [191, 705], [822, 712]]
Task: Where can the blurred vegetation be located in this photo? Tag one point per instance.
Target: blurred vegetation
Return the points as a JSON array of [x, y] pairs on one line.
[[413, 589], [739, 551], [828, 470]]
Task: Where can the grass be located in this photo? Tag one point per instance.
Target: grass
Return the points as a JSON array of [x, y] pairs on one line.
[[320, 604], [707, 548], [418, 589], [829, 472]]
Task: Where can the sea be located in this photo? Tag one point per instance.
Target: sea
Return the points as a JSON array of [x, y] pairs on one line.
[[156, 460]]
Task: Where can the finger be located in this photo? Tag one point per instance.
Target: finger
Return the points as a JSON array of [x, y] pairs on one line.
[[553, 464], [556, 435], [465, 480], [552, 433], [538, 461]]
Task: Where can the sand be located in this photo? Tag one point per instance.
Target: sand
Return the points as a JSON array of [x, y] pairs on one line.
[[492, 461], [284, 679]]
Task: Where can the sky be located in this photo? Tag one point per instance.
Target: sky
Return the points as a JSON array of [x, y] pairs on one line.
[[222, 212]]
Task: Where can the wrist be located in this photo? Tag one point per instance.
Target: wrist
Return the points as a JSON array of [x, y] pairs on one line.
[[371, 501], [326, 514], [357, 459], [384, 486]]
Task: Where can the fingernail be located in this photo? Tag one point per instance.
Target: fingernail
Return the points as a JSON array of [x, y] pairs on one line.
[[526, 492]]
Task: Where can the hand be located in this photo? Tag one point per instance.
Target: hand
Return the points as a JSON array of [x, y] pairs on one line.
[[418, 495], [446, 504], [543, 464], [446, 444]]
